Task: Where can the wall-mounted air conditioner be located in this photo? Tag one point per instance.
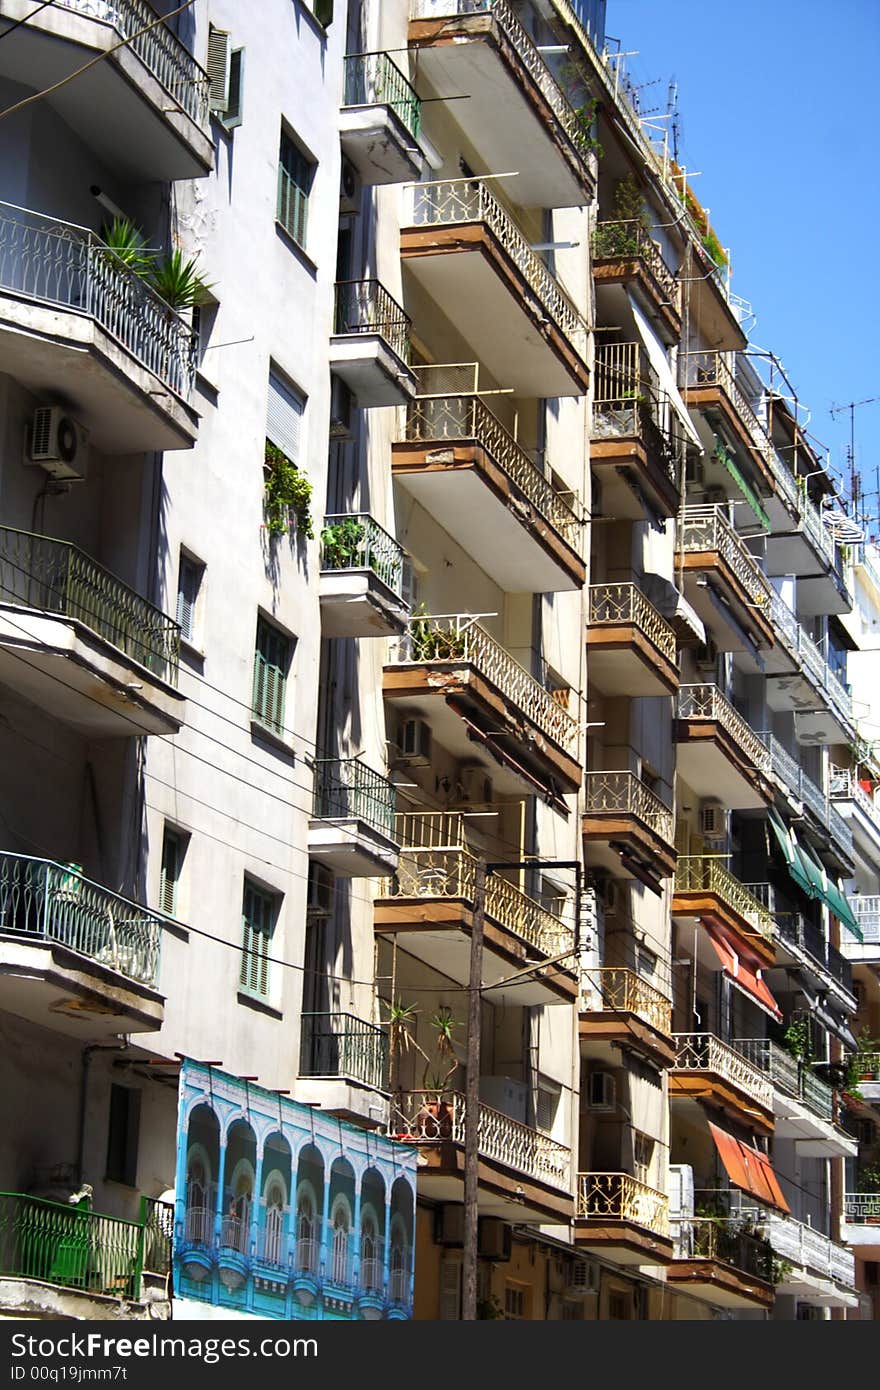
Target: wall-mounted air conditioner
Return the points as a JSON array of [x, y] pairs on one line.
[[58, 443]]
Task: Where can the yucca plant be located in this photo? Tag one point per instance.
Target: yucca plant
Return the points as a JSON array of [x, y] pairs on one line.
[[178, 282], [129, 247]]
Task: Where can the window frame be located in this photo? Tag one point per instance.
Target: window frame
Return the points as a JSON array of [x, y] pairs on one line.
[[273, 722], [188, 562], [301, 178], [253, 959], [172, 833]]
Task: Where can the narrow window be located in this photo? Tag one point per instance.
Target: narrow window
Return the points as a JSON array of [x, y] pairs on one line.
[[271, 664], [123, 1135], [295, 175], [173, 848], [259, 910], [189, 583]]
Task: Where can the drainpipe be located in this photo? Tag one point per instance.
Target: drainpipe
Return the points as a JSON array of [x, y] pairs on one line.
[[87, 1054]]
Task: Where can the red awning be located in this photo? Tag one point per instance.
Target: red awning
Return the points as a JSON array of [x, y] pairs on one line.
[[749, 1170], [744, 974]]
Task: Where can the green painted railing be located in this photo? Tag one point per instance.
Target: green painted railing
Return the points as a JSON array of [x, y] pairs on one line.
[[70, 1246], [372, 79], [343, 1045], [347, 789]]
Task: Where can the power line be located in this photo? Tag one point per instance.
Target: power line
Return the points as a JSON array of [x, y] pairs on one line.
[[26, 19]]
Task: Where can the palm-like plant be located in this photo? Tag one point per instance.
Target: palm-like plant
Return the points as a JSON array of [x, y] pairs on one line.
[[129, 247], [178, 282]]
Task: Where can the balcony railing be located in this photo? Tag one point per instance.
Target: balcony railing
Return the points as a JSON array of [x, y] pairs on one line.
[[160, 50], [624, 794], [623, 991], [431, 1116], [712, 369], [859, 1208], [458, 637], [450, 202], [788, 1075], [451, 873], [608, 1197], [346, 789], [157, 1219], [707, 702], [52, 576], [466, 417], [704, 1052], [617, 605], [55, 262], [365, 306], [335, 1044], [724, 1240], [703, 529], [354, 541], [70, 1247], [700, 873], [372, 79], [809, 1249], [845, 786], [629, 241], [867, 913], [44, 901], [785, 769], [798, 932]]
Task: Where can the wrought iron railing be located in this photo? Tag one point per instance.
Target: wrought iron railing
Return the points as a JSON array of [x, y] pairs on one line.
[[54, 262], [347, 789], [844, 785], [788, 1074], [807, 1248], [458, 637], [618, 1197], [707, 702], [365, 306], [723, 1239], [450, 202], [372, 79], [45, 901], [630, 240], [157, 1219], [704, 873], [70, 1246], [451, 873], [859, 1208], [628, 402], [337, 1044], [784, 622], [430, 830], [354, 541], [788, 772], [160, 50], [712, 369], [466, 417], [702, 529], [53, 576], [429, 1116], [625, 605], [371, 1275], [866, 908], [623, 991], [706, 1053], [624, 794]]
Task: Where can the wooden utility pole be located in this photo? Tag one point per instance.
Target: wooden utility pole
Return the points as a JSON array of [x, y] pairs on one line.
[[472, 1100]]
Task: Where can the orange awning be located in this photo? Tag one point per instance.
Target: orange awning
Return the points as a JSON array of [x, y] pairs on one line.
[[749, 1170], [744, 974]]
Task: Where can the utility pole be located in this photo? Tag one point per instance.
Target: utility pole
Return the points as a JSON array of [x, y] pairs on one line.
[[472, 1099]]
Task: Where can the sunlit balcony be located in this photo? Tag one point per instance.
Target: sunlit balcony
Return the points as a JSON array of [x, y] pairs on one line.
[[707, 1069], [723, 581], [370, 346], [618, 1008], [380, 119], [77, 324], [624, 253], [705, 890], [343, 1064], [866, 907], [860, 1227], [142, 109], [802, 545], [482, 48], [803, 1103], [627, 829], [719, 753], [816, 1268], [631, 648], [721, 1261], [81, 645], [711, 387], [466, 252], [623, 1218], [801, 681], [803, 793], [74, 956], [466, 469], [352, 825], [635, 439], [362, 578], [855, 803], [523, 1173]]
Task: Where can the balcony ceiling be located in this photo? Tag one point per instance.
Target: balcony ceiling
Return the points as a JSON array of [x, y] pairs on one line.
[[708, 770], [60, 989]]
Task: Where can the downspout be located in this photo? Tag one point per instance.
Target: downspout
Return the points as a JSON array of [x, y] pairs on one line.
[[87, 1053]]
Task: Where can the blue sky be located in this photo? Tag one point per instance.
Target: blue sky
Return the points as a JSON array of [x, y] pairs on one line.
[[778, 103]]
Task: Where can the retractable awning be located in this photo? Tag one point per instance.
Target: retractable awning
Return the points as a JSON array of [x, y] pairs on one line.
[[744, 974], [788, 845], [749, 1170], [725, 457], [827, 891], [658, 359]]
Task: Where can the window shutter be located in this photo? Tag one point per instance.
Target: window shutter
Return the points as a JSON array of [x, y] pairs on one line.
[[257, 911], [324, 12], [270, 675], [187, 593], [170, 873], [218, 68], [450, 1291], [236, 85], [284, 417]]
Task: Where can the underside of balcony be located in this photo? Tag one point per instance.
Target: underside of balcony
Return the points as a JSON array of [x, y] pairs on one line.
[[629, 468], [718, 1093], [46, 983], [714, 764], [604, 1031], [627, 830], [721, 1284]]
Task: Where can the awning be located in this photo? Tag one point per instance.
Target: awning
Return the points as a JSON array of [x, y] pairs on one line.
[[744, 975], [788, 845], [658, 359], [749, 1170], [723, 455], [827, 891], [830, 1021], [838, 904]]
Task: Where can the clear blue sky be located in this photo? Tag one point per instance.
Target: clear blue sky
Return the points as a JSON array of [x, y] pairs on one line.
[[779, 110]]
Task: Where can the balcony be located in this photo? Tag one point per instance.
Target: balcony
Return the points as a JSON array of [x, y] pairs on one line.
[[707, 1069], [808, 549], [705, 890], [635, 439], [142, 110], [719, 754], [866, 908], [861, 1224], [624, 253], [618, 1216], [631, 648], [467, 253], [807, 686], [343, 1063], [448, 670], [723, 581], [821, 1270], [802, 792], [852, 802], [480, 47], [620, 1009], [524, 1175], [75, 957], [370, 346], [380, 119], [428, 907], [627, 829], [712, 390], [460, 463], [81, 645], [803, 1102], [721, 1261], [352, 825], [362, 578], [77, 324]]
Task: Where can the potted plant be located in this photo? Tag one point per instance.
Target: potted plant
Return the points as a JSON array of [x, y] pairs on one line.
[[288, 492], [342, 545]]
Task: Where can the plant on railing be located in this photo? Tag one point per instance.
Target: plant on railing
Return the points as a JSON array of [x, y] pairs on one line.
[[780, 1270], [865, 1060], [128, 245], [444, 1026], [287, 492], [868, 1178], [716, 1208], [585, 116], [488, 1309], [428, 643], [624, 233], [174, 279], [797, 1040], [341, 544]]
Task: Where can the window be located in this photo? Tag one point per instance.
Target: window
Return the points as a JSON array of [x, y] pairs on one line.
[[259, 910], [284, 415], [123, 1135], [546, 1104], [189, 581], [618, 1306], [643, 1152], [515, 1301], [173, 850], [323, 11], [271, 663], [339, 1247], [295, 175], [225, 76]]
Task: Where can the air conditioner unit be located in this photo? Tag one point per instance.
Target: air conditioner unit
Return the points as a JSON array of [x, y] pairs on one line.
[[582, 1277], [602, 1091], [707, 657], [473, 785], [414, 742], [449, 1224], [349, 187], [58, 443], [494, 1241], [681, 1191], [713, 820], [341, 409]]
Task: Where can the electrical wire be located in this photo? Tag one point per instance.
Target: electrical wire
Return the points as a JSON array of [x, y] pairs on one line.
[[26, 19]]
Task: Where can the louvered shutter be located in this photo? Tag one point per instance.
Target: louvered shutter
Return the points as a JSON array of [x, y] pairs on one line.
[[450, 1291], [218, 68], [284, 417], [257, 909], [271, 660], [170, 873]]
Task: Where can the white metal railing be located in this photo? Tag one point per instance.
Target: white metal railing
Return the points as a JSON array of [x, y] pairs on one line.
[[622, 990], [707, 702], [859, 1208], [845, 786], [704, 873], [619, 1197], [784, 622], [625, 604], [713, 369], [372, 1275], [432, 1115], [866, 908], [786, 770], [704, 1052], [451, 202], [624, 794], [809, 1249], [458, 637], [787, 1074], [707, 528]]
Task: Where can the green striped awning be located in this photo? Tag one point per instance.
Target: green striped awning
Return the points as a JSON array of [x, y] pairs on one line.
[[828, 891], [722, 454], [788, 845]]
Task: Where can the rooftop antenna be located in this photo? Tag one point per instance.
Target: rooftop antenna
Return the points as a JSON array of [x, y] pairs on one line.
[[854, 480], [672, 110]]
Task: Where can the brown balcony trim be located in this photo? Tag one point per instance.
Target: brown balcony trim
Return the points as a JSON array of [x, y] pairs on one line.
[[719, 1093], [631, 831], [483, 28], [695, 561], [711, 395], [629, 451], [616, 270], [446, 1160], [449, 455], [478, 238], [626, 1030], [697, 730], [624, 1236], [621, 637], [718, 913], [726, 1278]]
